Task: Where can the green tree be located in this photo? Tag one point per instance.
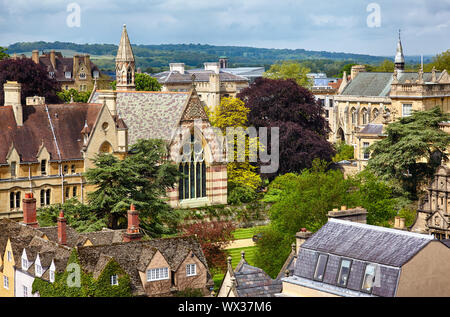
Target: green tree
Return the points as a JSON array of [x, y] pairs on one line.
[[142, 179], [232, 113], [77, 96], [346, 68], [344, 152], [81, 217], [143, 82], [385, 66], [412, 150], [3, 53], [304, 200], [290, 70], [440, 62]]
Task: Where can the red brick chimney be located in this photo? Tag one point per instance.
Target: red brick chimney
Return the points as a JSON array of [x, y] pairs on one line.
[[133, 233], [62, 229], [29, 211]]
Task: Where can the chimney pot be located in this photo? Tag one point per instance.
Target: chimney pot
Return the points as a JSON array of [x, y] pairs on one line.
[[29, 211], [343, 208], [62, 229]]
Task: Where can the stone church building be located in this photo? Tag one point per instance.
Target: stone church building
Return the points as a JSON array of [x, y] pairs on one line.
[[369, 101], [179, 119]]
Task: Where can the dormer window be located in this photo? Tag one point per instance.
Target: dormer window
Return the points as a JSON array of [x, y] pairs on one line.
[[320, 267], [68, 75], [51, 74], [158, 274], [44, 167], [114, 280], [13, 169], [369, 278], [96, 74], [38, 269], [52, 276], [9, 256], [83, 75], [24, 264]]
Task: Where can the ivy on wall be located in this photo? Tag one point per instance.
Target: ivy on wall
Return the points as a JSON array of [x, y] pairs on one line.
[[89, 287]]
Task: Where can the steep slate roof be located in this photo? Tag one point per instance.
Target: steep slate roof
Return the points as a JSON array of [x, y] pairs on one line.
[[367, 243], [67, 121], [388, 249], [379, 84], [254, 282], [369, 84], [149, 115]]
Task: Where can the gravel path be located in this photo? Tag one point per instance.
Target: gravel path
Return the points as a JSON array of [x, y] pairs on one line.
[[244, 243]]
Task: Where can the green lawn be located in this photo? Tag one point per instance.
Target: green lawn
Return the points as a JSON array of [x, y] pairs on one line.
[[246, 233]]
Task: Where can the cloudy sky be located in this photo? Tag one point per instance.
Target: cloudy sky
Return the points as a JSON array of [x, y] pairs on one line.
[[328, 25]]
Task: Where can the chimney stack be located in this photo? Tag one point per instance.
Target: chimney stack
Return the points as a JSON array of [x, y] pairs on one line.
[[62, 229], [356, 70], [215, 67], [12, 91], [109, 97], [301, 238], [400, 223], [29, 211], [53, 59], [133, 232], [177, 67], [357, 214], [35, 56]]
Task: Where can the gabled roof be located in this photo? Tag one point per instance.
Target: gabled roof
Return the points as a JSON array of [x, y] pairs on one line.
[[149, 115], [66, 120], [254, 282]]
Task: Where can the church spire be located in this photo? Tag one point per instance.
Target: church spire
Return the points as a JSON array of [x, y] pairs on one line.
[[399, 57], [125, 63]]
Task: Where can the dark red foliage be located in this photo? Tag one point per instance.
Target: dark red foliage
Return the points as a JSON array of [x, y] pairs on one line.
[[292, 108], [213, 237], [34, 78]]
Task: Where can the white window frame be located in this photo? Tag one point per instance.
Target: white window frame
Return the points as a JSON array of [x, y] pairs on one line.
[[24, 264], [25, 291], [191, 269], [403, 110], [114, 280], [9, 256], [38, 269], [52, 276], [158, 274], [5, 282], [370, 268]]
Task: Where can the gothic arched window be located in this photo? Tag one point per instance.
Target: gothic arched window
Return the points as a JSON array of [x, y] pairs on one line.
[[365, 116], [354, 114], [193, 166]]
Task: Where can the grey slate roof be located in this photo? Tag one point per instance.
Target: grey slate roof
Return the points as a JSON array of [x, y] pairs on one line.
[[369, 84], [388, 249], [149, 115], [201, 75], [254, 282], [367, 243], [371, 128]]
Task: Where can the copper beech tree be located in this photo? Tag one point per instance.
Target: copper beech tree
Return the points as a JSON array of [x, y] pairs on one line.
[[34, 78], [293, 109]]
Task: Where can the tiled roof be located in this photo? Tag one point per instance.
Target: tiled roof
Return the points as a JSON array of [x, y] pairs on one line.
[[149, 115], [66, 120], [254, 282]]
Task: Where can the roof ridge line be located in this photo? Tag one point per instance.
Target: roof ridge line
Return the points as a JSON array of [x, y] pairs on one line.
[[382, 229]]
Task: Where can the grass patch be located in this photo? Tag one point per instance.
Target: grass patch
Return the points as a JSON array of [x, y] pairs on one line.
[[235, 254], [246, 233]]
